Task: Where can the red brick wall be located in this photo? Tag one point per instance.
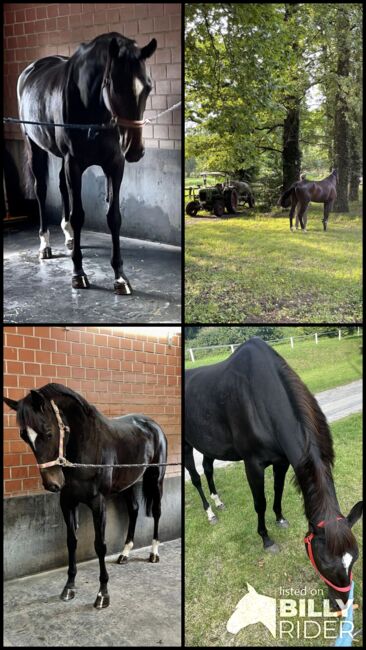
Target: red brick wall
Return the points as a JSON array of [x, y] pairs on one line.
[[32, 31], [116, 369]]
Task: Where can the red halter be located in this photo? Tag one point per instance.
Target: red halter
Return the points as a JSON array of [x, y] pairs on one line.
[[307, 541]]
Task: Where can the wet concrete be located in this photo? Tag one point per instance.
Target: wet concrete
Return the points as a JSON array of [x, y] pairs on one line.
[[144, 610], [40, 290]]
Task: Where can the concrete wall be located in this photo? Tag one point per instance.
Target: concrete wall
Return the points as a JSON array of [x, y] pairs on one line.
[[35, 532]]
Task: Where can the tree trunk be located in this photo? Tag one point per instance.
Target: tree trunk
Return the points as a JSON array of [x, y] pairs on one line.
[[341, 122], [291, 155], [355, 162]]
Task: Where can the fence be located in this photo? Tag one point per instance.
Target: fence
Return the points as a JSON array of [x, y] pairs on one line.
[[194, 353]]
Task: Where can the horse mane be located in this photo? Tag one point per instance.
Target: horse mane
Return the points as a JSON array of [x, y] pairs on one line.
[[51, 391]]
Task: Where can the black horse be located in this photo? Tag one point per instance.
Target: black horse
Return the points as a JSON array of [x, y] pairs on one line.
[[103, 81], [59, 424], [302, 192], [253, 407]]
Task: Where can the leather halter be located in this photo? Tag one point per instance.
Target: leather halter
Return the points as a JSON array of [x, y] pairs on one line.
[[61, 460], [307, 541], [106, 93]]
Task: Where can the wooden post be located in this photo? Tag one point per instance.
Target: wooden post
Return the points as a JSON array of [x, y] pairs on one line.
[[191, 354], [292, 341], [339, 335], [316, 338]]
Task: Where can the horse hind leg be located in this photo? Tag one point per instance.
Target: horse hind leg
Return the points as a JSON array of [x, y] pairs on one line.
[[38, 159], [208, 469], [292, 211], [152, 487], [133, 509], [327, 208], [65, 223], [196, 481]]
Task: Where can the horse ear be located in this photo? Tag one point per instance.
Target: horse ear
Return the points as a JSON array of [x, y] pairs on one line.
[[113, 48], [149, 49], [355, 514], [37, 399], [11, 402]]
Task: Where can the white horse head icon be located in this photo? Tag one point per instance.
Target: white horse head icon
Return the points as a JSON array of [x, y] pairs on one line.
[[253, 608]]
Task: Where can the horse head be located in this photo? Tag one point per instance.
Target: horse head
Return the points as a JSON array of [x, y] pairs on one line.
[[126, 86]]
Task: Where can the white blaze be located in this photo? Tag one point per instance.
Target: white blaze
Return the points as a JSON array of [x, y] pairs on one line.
[[138, 87], [32, 436], [346, 561]]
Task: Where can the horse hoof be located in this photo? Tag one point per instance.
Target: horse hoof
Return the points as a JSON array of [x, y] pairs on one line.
[[80, 282], [123, 559], [274, 548], [67, 594], [221, 506], [69, 244], [122, 288], [292, 230], [282, 523], [214, 520], [154, 558], [102, 601], [46, 253]]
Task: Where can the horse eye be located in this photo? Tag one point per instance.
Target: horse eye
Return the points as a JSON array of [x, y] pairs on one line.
[[48, 435]]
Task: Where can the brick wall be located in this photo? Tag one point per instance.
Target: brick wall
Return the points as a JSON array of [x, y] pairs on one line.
[[116, 369], [32, 31]]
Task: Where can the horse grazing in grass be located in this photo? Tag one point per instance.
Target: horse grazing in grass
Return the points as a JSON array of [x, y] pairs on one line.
[[254, 407], [302, 192]]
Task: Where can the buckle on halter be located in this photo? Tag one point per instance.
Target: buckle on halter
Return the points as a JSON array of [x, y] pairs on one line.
[[62, 461]]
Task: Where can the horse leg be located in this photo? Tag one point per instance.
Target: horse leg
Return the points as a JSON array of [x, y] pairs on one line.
[[38, 163], [255, 475], [73, 174], [98, 508], [301, 212], [208, 469], [327, 208], [133, 509], [292, 211], [196, 481], [70, 513], [114, 179], [65, 223], [279, 473]]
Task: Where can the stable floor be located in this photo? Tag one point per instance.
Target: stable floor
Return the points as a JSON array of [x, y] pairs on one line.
[[144, 610], [40, 290]]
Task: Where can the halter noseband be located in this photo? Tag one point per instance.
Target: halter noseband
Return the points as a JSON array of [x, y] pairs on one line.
[[106, 93], [61, 460], [307, 541]]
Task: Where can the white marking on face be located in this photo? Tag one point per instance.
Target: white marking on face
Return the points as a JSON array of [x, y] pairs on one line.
[[210, 514], [138, 87], [68, 231], [45, 240], [217, 500], [127, 548], [346, 561], [154, 547], [32, 436]]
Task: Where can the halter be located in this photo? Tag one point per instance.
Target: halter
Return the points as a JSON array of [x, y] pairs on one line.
[[106, 93], [307, 541], [61, 460]]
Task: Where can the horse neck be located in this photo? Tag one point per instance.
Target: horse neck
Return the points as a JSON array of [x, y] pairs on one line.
[[315, 480], [82, 443]]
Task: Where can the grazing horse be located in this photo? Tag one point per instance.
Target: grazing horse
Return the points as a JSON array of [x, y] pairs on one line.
[[302, 192], [57, 423], [254, 407], [104, 81]]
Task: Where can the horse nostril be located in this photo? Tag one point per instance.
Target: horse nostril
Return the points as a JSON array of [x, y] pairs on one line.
[[53, 487]]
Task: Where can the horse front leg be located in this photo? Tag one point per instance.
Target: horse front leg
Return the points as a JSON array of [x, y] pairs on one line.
[[98, 508], [65, 223], [327, 208], [302, 215], [73, 173], [38, 159], [279, 474], [70, 513], [114, 175], [255, 476]]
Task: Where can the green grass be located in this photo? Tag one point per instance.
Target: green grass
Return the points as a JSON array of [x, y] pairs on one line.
[[328, 364], [251, 269], [221, 559]]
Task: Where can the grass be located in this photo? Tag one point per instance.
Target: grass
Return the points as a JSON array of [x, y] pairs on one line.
[[251, 269], [328, 364], [221, 559]]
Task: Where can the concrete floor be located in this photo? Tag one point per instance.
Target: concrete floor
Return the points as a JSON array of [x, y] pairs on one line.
[[144, 610], [39, 291]]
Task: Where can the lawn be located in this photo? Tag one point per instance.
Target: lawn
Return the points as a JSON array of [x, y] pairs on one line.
[[328, 364], [221, 559], [251, 269]]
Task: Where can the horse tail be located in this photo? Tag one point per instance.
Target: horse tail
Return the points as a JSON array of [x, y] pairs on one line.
[[152, 481], [285, 199]]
